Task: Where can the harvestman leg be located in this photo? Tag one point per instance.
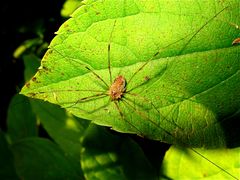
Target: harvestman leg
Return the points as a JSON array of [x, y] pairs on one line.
[[122, 117]]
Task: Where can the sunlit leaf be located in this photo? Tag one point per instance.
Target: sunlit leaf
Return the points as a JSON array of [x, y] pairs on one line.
[[70, 6], [28, 45], [186, 164], [181, 69]]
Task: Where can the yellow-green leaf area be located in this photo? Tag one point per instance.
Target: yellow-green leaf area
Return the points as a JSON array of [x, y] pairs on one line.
[[181, 163], [181, 69]]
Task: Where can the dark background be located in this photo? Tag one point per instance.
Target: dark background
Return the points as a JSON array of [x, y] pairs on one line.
[[18, 20]]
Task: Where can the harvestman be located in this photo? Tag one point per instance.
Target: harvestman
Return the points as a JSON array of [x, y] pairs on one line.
[[118, 89]]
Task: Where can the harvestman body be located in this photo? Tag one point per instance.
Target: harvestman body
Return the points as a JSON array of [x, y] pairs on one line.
[[117, 89]]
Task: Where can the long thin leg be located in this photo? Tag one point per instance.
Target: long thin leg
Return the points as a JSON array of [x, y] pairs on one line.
[[109, 49], [177, 97], [180, 52], [143, 115], [222, 169], [154, 107], [69, 90], [205, 24], [122, 117], [84, 66], [181, 142], [95, 110], [143, 83], [88, 98], [145, 63], [100, 108], [95, 74]]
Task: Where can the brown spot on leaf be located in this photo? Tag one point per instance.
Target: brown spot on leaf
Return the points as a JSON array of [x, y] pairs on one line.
[[50, 51], [146, 78], [34, 79], [236, 41], [27, 84], [65, 25], [40, 71], [45, 68], [47, 53], [31, 94]]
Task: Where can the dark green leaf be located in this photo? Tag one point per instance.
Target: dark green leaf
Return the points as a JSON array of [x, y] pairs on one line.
[[7, 169], [37, 158], [63, 127], [21, 121], [31, 63], [107, 156]]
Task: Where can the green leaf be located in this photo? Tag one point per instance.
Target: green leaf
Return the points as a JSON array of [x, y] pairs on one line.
[[31, 63], [70, 6], [28, 45], [65, 129], [107, 156], [7, 169], [37, 158], [182, 163], [181, 69], [21, 121]]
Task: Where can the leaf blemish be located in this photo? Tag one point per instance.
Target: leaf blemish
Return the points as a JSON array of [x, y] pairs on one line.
[[27, 84], [146, 78], [45, 68], [31, 94], [236, 41], [34, 79]]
